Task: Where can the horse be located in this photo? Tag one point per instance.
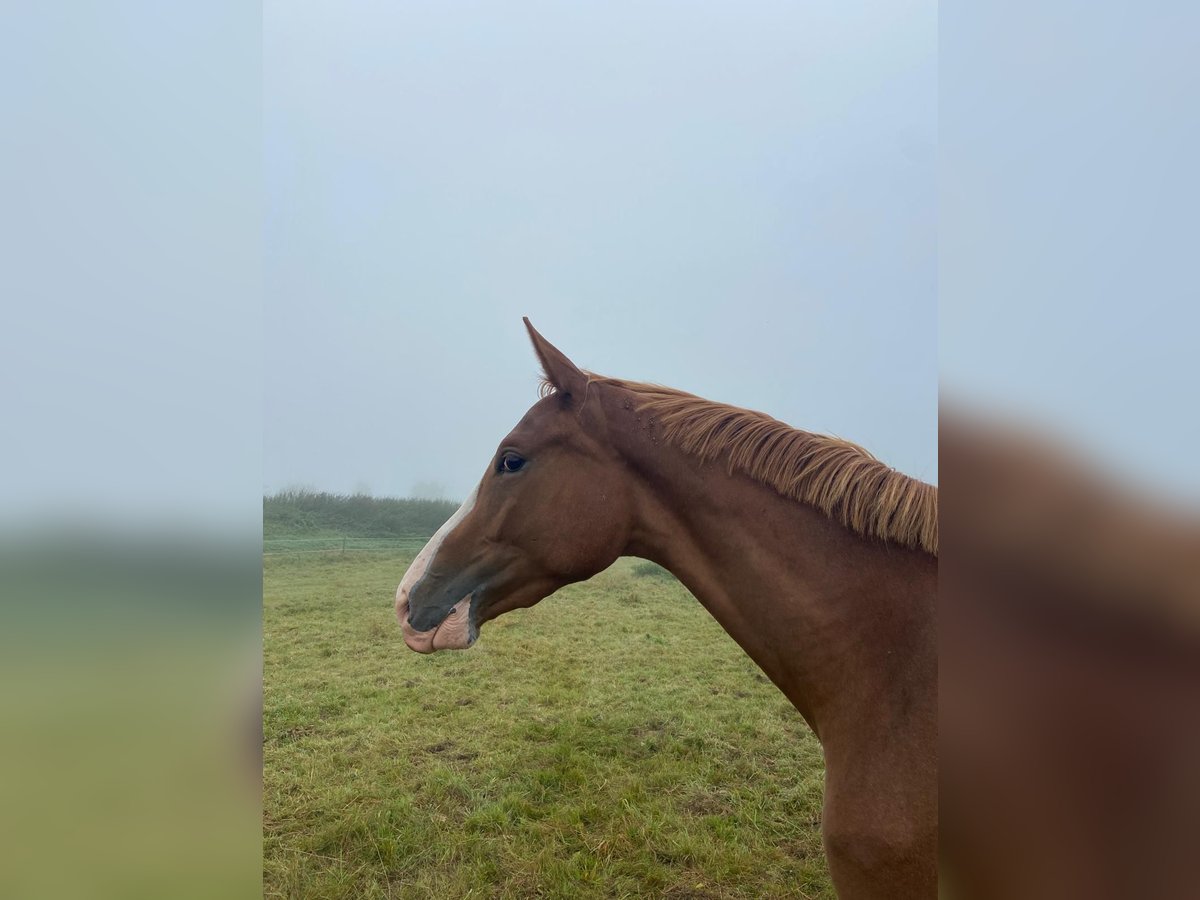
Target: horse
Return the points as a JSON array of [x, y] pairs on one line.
[[1069, 668], [820, 561]]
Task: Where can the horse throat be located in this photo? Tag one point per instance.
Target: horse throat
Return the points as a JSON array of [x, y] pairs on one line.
[[835, 620]]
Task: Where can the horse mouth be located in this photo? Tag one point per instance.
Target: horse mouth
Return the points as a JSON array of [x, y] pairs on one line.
[[455, 632]]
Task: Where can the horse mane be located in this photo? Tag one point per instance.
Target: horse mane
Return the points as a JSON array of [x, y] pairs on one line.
[[838, 477]]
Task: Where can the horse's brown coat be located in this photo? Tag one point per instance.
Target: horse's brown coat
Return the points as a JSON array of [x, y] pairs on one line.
[[1070, 677], [842, 622]]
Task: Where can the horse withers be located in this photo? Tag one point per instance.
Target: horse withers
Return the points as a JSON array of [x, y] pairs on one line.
[[819, 560]]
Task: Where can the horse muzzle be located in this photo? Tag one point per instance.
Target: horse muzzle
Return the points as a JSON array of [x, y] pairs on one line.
[[454, 632]]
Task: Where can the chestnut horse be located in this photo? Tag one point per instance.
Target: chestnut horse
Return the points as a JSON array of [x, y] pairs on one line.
[[820, 561]]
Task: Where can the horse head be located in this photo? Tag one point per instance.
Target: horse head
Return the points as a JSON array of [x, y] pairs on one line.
[[553, 507]]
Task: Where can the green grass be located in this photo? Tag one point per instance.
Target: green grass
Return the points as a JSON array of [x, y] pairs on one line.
[[646, 569], [612, 741]]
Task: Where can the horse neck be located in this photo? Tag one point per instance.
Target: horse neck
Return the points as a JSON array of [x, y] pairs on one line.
[[832, 618]]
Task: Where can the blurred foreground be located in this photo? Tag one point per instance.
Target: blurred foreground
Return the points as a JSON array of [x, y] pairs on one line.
[[131, 706], [1069, 674]]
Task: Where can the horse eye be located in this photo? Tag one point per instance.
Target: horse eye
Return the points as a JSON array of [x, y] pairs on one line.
[[511, 462]]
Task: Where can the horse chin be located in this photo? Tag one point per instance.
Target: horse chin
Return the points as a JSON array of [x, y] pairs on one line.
[[455, 632]]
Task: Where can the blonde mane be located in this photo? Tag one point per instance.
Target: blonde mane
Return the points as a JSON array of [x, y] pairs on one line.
[[839, 478]]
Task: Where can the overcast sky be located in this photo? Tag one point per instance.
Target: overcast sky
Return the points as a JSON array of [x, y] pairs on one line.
[[734, 199]]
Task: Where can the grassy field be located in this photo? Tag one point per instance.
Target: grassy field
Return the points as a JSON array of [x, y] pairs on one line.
[[610, 742]]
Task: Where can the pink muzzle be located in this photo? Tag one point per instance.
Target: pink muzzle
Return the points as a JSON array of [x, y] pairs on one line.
[[453, 633]]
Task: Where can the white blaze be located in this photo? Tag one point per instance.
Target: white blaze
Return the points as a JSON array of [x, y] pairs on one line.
[[424, 559]]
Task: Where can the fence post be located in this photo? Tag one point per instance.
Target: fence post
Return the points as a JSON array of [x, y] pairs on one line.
[[343, 546]]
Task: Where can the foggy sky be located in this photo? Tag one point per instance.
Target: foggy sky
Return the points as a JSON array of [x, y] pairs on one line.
[[736, 200]]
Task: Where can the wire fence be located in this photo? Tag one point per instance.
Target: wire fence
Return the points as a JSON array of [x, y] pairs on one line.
[[347, 544]]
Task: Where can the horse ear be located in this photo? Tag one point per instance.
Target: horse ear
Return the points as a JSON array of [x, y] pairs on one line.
[[560, 371]]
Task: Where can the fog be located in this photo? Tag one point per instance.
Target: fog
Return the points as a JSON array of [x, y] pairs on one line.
[[739, 202]]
